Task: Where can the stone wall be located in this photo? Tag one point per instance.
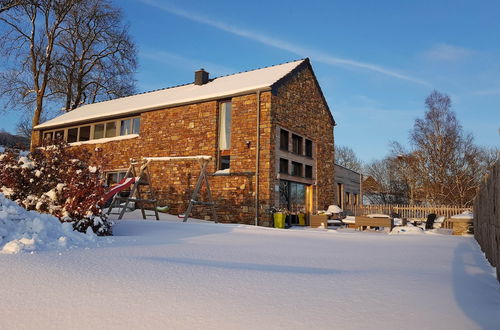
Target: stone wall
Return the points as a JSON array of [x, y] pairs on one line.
[[192, 130], [298, 105]]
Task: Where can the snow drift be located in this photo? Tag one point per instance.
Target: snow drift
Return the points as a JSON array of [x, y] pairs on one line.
[[27, 231]]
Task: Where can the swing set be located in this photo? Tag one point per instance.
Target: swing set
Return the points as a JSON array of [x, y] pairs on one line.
[[141, 192]]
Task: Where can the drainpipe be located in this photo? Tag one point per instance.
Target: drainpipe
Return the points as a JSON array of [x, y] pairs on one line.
[[257, 159]]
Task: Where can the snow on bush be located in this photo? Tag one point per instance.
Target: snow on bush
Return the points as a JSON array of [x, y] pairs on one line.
[[25, 231], [59, 181]]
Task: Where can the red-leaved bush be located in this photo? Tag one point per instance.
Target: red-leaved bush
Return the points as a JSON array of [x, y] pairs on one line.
[[57, 180]]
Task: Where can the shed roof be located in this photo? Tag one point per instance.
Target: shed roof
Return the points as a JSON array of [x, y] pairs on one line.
[[219, 87]]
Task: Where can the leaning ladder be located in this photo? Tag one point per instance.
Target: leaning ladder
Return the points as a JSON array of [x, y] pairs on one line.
[[142, 180]]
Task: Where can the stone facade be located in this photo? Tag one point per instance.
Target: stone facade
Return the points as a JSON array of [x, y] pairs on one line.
[[192, 129]]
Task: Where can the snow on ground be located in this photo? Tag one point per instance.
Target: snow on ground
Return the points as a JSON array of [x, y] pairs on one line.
[[201, 275], [28, 231]]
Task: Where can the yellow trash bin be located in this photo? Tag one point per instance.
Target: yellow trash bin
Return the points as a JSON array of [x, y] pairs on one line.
[[279, 220], [302, 219]]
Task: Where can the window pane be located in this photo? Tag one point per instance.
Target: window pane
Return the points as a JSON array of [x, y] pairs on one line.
[[111, 129], [136, 125], [225, 162], [296, 169], [84, 133], [225, 126], [297, 144], [59, 135], [284, 140], [47, 136], [99, 131], [72, 134], [283, 166], [309, 148], [125, 127], [309, 172]]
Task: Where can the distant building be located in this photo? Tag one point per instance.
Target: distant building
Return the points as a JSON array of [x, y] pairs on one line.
[[348, 185]]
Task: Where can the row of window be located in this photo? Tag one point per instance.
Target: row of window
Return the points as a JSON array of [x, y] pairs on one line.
[[95, 131], [297, 144], [297, 169]]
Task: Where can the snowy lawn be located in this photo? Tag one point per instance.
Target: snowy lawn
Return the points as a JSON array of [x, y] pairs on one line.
[[169, 274]]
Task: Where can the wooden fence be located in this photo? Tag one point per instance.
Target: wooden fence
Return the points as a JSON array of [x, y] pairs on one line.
[[487, 217], [406, 211]]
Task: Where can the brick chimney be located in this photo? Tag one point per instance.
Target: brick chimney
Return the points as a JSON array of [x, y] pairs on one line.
[[200, 77]]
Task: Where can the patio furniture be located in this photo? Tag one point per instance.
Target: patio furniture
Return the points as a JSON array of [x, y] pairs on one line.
[[374, 220], [429, 224], [319, 220]]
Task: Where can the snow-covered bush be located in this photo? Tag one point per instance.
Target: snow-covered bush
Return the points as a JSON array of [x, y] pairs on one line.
[[56, 180]]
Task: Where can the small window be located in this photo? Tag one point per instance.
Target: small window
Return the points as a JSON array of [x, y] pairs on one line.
[[309, 172], [284, 140], [136, 125], [309, 148], [99, 131], [47, 136], [59, 135], [72, 134], [125, 127], [297, 144], [114, 177], [296, 169], [84, 133], [111, 129], [283, 166], [224, 162]]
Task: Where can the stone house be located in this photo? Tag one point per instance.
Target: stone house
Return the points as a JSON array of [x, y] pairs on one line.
[[269, 132]]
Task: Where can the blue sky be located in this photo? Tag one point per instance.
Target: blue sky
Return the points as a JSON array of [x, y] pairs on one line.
[[376, 61]]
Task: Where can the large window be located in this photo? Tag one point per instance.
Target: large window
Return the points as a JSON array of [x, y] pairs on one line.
[[225, 126], [297, 144], [224, 135], [101, 130], [284, 136]]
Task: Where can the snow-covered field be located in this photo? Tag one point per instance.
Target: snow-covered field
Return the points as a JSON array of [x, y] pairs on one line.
[[198, 275]]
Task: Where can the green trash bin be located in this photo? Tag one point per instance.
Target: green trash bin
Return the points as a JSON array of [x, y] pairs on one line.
[[279, 220]]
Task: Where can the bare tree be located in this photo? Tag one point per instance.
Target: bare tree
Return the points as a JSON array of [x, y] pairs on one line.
[[98, 58], [64, 50], [32, 29], [8, 4], [345, 156], [447, 163], [384, 185]]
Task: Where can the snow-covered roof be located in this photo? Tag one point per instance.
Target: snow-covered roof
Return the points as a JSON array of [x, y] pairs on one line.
[[216, 88]]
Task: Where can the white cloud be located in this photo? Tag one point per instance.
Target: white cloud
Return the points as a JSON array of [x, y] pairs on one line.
[[284, 45], [446, 52]]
